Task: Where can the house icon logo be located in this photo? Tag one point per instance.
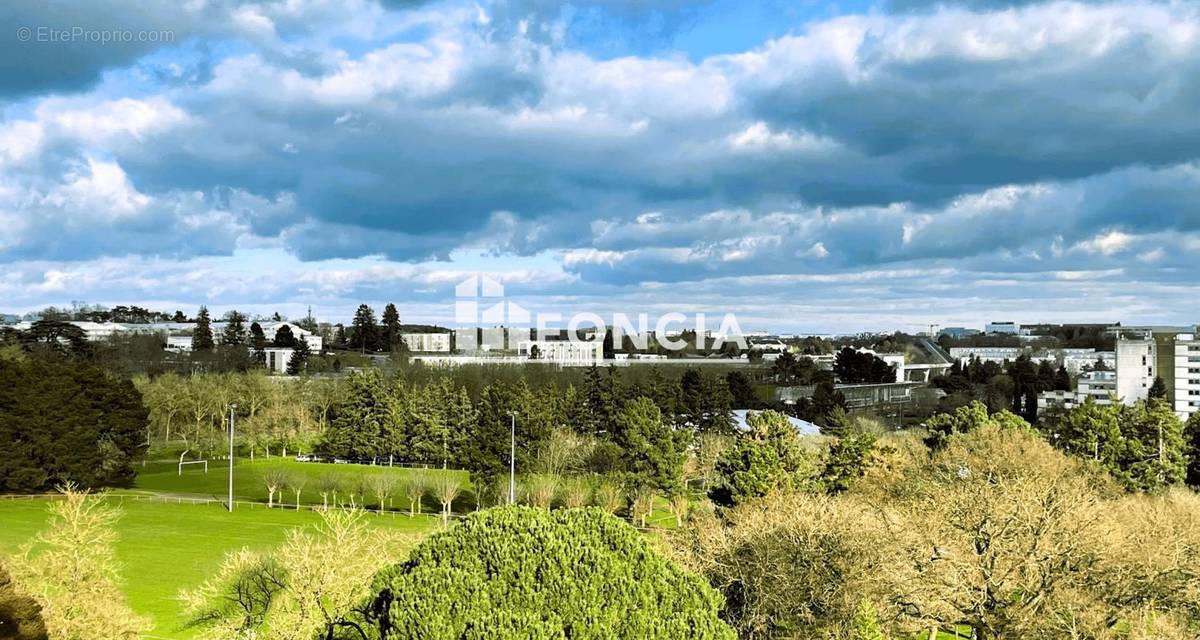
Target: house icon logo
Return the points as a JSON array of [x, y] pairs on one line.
[[479, 300]]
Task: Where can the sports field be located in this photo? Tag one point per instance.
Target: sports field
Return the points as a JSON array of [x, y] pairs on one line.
[[164, 547], [163, 477]]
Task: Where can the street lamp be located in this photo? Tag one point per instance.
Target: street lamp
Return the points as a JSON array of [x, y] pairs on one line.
[[512, 459], [232, 409]]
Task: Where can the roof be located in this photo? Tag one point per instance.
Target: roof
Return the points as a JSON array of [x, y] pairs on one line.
[[803, 427]]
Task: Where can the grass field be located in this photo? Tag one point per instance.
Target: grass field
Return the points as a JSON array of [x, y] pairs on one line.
[[162, 476], [166, 547]]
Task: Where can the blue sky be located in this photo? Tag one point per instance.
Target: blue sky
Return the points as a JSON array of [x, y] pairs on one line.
[[808, 165]]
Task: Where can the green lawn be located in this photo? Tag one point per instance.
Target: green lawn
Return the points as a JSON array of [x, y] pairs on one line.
[[162, 476], [166, 547]]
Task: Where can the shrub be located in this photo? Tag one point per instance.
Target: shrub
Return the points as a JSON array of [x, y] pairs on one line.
[[522, 572]]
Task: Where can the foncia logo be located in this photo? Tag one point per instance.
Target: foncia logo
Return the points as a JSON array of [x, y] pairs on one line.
[[483, 291], [487, 321]]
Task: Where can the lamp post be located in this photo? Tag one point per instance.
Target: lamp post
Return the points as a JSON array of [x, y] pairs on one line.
[[512, 459], [232, 409]]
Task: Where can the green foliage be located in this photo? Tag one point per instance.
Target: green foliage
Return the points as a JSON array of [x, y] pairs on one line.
[[764, 460], [846, 461], [966, 419], [298, 362], [1126, 441], [202, 337], [866, 623], [1158, 389], [520, 572], [852, 366], [67, 422], [1191, 433], [652, 452]]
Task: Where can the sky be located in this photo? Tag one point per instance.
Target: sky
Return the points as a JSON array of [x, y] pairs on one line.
[[810, 166]]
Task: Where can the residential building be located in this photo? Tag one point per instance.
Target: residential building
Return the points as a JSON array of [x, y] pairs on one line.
[[427, 342], [1137, 366], [1100, 386], [1057, 399], [276, 358], [92, 331], [1185, 386]]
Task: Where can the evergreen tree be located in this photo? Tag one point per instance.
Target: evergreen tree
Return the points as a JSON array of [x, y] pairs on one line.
[[652, 452], [202, 337], [259, 342], [235, 329], [741, 390], [284, 338], [1158, 389], [363, 331], [298, 362], [339, 336], [389, 335], [179, 317]]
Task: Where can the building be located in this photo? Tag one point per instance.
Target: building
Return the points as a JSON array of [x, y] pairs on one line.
[[92, 331], [958, 332], [1137, 366], [427, 342], [1100, 386], [276, 358], [1167, 354], [1008, 328], [1186, 375], [563, 352], [1057, 399], [1077, 360]]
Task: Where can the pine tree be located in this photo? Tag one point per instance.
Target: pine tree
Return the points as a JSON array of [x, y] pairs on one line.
[[390, 336], [363, 331], [299, 361], [1158, 390], [202, 337], [258, 341], [235, 329]]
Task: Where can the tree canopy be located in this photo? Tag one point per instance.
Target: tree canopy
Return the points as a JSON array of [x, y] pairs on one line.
[[521, 572]]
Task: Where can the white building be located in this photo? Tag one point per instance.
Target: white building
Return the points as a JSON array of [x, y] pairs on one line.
[[276, 358], [1136, 367], [427, 342], [1010, 328], [564, 352], [1186, 397], [1075, 360], [92, 331], [1100, 386]]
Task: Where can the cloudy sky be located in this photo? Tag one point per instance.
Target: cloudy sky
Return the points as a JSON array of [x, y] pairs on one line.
[[808, 165]]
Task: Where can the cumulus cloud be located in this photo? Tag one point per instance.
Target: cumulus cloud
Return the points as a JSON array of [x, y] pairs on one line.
[[1037, 137]]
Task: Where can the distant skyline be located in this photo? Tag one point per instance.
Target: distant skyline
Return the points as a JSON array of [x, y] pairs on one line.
[[810, 166]]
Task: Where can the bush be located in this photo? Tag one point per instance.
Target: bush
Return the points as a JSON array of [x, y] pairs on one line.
[[521, 572]]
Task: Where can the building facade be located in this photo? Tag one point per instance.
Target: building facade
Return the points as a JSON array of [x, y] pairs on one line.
[[427, 342]]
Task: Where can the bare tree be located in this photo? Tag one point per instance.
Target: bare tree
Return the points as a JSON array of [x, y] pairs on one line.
[[296, 481], [446, 486], [415, 486], [275, 479], [540, 489], [383, 485], [608, 495]]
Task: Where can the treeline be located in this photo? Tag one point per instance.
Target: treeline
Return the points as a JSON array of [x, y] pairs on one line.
[[1014, 385]]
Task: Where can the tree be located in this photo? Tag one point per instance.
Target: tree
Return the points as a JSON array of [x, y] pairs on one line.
[[415, 486], [652, 452], [20, 615], [202, 337], [766, 459], [275, 480], [235, 329], [741, 390], [1158, 389], [73, 573], [67, 422], [285, 338], [446, 487], [1191, 434], [298, 362], [501, 570], [389, 334], [258, 341], [852, 366], [363, 332], [306, 588]]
